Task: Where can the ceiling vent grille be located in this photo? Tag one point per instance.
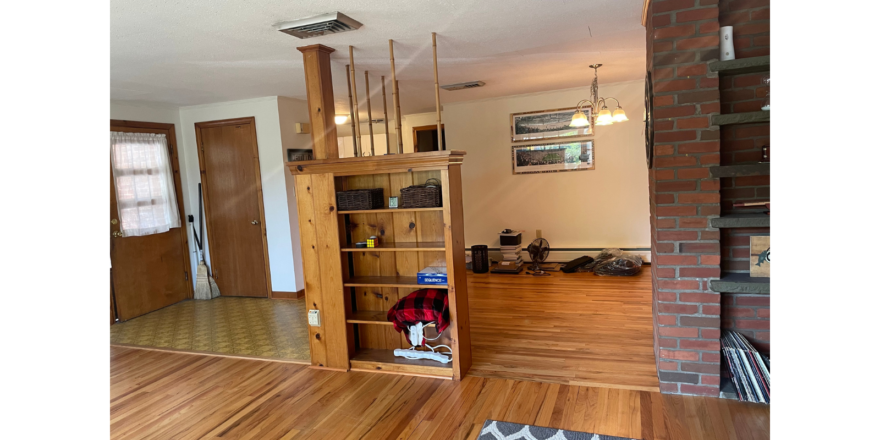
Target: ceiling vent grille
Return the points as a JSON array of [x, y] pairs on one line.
[[464, 85], [319, 25]]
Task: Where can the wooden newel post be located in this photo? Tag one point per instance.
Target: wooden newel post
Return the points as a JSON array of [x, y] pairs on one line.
[[322, 110]]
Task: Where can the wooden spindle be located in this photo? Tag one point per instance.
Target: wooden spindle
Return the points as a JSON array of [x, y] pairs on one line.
[[354, 145], [385, 112], [369, 113], [354, 89], [437, 95], [395, 96]]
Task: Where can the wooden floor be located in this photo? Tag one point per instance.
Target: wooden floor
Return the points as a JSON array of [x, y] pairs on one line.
[[161, 395], [575, 329]]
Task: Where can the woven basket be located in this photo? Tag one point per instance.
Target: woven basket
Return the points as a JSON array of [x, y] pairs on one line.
[[421, 196], [360, 199]]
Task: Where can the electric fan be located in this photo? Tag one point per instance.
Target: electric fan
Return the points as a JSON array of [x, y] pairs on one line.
[[539, 249]]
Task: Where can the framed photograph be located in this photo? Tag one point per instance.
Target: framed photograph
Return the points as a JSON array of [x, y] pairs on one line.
[[555, 157], [296, 154], [759, 256], [546, 124]]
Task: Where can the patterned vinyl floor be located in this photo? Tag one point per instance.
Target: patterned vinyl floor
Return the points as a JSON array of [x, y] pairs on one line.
[[246, 326]]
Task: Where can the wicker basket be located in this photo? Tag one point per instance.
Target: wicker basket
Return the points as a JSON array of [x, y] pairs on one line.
[[360, 199], [421, 196]]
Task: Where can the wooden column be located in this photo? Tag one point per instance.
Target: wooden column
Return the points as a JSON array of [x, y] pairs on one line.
[[319, 88]]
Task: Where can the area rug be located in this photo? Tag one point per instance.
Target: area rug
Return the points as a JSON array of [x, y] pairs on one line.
[[494, 430]]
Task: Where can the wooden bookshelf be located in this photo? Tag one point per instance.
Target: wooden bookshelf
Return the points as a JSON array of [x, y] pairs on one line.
[[355, 287]]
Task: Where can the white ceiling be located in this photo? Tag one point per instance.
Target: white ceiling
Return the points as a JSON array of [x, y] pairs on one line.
[[204, 51]]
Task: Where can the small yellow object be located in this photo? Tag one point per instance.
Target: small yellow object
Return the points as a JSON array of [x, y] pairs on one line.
[[372, 241]]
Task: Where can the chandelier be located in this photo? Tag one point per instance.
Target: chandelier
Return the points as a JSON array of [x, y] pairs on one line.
[[605, 116]]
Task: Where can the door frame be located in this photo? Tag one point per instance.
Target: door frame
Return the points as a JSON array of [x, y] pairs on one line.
[[416, 131], [168, 131], [259, 181]]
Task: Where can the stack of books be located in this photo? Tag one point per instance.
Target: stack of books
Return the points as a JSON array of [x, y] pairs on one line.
[[749, 370], [512, 254]]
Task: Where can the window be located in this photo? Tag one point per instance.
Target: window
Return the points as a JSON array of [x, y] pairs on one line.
[[145, 197]]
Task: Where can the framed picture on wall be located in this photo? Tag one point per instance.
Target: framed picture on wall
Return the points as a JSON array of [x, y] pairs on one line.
[[547, 124], [552, 158]]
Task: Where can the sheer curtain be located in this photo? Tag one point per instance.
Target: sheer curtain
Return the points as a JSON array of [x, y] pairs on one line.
[[145, 196]]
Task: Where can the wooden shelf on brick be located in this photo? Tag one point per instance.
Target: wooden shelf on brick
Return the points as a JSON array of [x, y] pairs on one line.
[[355, 287], [740, 283], [750, 220], [741, 118], [740, 66], [751, 169]]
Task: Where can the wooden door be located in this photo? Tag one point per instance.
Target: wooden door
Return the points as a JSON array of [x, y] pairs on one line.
[[151, 271], [230, 168]]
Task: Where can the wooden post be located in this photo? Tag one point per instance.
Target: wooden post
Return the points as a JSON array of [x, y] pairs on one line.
[[395, 97], [319, 91], [369, 112], [385, 112], [354, 148], [354, 89], [437, 95]]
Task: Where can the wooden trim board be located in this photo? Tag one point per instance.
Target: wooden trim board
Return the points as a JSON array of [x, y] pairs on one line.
[[395, 163], [288, 295], [210, 353]]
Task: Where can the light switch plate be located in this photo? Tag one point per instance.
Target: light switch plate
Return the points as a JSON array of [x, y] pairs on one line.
[[315, 318]]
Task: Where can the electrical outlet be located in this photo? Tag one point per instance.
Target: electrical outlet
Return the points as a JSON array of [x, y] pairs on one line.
[[315, 318]]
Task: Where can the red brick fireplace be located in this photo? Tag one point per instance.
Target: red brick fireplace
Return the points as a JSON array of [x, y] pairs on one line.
[[687, 251]]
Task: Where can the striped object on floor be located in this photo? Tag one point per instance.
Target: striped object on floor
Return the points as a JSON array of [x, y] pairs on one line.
[[495, 430]]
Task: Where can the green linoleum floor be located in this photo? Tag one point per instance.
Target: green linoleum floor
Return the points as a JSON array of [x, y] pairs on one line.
[[230, 325]]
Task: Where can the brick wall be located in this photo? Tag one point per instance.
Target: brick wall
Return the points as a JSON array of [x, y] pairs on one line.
[[751, 25], [749, 315], [682, 37]]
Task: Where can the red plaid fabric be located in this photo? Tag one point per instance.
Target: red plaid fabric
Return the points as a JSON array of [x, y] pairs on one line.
[[425, 305]]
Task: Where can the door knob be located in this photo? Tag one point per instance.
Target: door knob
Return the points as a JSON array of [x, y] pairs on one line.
[[117, 234], [255, 222], [114, 221]]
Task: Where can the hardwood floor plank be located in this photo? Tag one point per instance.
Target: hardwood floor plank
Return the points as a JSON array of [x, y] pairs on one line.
[[164, 395], [522, 328]]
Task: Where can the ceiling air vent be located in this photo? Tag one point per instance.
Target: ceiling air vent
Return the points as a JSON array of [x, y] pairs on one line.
[[324, 24], [462, 86]]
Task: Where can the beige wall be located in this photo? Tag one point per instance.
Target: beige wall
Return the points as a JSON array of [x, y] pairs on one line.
[[605, 207]]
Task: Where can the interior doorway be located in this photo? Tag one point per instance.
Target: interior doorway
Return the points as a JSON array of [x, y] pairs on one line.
[[425, 138], [149, 271], [230, 170]]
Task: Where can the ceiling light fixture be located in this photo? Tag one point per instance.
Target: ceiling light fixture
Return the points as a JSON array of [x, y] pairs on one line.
[[605, 116], [341, 119]]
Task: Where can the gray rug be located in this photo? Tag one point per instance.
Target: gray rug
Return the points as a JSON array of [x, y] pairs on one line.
[[494, 430]]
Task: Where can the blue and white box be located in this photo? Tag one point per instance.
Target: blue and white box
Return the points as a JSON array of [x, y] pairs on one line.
[[432, 275]]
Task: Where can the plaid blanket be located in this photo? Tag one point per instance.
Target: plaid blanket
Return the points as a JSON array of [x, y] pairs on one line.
[[425, 305]]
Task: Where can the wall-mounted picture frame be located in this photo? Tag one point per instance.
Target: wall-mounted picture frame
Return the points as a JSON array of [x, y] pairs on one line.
[[759, 256], [547, 124], [554, 157], [299, 154]]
